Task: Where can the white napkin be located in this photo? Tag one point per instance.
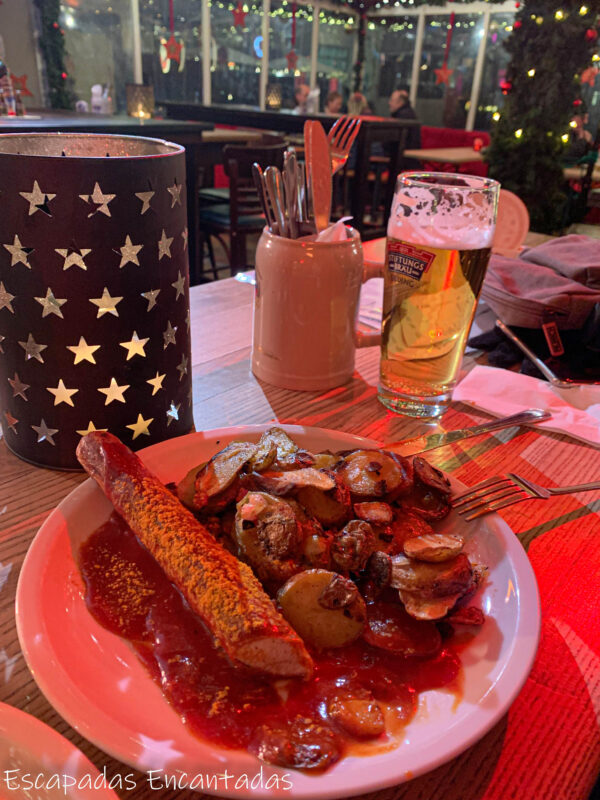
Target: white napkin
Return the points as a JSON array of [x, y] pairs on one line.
[[575, 411], [337, 232]]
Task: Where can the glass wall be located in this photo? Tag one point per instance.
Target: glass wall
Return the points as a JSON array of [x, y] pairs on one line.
[[446, 104], [99, 45], [389, 52], [172, 79], [336, 53], [282, 75], [494, 70], [236, 52]]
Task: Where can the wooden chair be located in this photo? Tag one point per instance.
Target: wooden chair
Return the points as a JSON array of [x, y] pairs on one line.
[[231, 222]]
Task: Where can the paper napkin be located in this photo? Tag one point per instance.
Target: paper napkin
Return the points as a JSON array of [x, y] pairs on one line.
[[575, 411]]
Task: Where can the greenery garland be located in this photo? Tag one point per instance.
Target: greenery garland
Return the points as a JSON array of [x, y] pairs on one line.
[[552, 43], [51, 42]]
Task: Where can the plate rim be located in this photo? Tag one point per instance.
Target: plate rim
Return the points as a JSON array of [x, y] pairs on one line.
[[500, 528]]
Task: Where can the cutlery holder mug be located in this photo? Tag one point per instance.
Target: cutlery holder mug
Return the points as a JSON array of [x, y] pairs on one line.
[[94, 293], [305, 311]]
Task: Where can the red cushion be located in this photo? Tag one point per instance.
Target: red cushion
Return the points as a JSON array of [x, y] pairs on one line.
[[454, 137]]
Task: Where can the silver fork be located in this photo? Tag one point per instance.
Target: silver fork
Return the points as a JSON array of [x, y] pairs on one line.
[[504, 490], [341, 137]]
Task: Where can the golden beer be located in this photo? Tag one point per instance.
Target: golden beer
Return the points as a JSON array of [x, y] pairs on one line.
[[438, 248]]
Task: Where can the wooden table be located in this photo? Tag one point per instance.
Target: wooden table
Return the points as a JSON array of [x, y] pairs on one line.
[[446, 155], [548, 745]]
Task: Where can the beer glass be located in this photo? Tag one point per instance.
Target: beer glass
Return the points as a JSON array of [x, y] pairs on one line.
[[438, 246]]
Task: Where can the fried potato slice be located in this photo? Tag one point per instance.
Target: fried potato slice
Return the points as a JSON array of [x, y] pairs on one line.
[[220, 472], [378, 513], [427, 609], [360, 715], [318, 626], [374, 474], [288, 482], [406, 524], [265, 455], [390, 627], [432, 580], [326, 460], [352, 546], [289, 455], [434, 547], [430, 476], [332, 508]]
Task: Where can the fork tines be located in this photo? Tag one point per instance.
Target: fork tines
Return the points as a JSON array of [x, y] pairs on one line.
[[490, 495]]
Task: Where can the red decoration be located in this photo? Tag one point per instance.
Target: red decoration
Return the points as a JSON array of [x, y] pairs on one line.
[[239, 15], [174, 48], [442, 74], [517, 24], [506, 86], [64, 76], [591, 35], [589, 75], [578, 102], [292, 60], [20, 83]]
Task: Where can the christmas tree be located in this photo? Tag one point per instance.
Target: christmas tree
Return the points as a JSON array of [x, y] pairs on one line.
[[51, 42], [551, 45]]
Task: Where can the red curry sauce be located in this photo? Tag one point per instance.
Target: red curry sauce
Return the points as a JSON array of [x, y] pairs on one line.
[[129, 594]]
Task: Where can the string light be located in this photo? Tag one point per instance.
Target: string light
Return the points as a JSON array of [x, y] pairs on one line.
[[573, 124], [518, 133], [565, 137], [583, 11], [496, 116], [595, 57], [559, 14], [531, 72]]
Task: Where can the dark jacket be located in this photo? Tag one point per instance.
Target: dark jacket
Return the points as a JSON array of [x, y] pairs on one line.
[[413, 138]]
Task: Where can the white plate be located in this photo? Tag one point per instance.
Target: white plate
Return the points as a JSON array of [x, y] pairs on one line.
[[95, 681], [33, 753]]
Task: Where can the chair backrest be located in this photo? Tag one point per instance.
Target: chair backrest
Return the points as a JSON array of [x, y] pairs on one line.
[[238, 161]]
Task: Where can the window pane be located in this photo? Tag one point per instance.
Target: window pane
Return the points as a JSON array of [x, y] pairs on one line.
[[337, 36], [389, 51], [176, 83], [236, 53], [491, 98], [441, 104], [99, 45], [280, 44]]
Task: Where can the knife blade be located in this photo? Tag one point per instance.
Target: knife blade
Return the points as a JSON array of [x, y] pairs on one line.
[[318, 166], [420, 444]]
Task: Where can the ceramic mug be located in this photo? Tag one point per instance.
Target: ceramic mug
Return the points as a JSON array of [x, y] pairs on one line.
[[305, 311]]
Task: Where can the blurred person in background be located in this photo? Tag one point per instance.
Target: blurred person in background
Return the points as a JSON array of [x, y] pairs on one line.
[[401, 108], [333, 103], [301, 93]]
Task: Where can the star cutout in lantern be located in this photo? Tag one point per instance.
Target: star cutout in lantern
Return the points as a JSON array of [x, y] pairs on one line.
[[33, 349], [182, 367], [239, 15], [442, 75], [151, 298], [106, 304], [169, 335], [145, 197], [18, 253], [185, 235], [173, 413], [156, 383], [38, 200], [175, 192], [51, 304], [62, 394], [589, 75], [292, 60], [73, 258], [11, 421], [19, 83], [135, 346], [19, 388], [140, 426], [44, 433], [187, 319], [2, 338], [90, 429], [99, 199], [6, 299], [173, 49], [83, 351], [129, 252], [179, 285], [114, 392], [164, 245]]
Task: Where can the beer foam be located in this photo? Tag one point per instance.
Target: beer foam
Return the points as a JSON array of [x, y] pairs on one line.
[[457, 221]]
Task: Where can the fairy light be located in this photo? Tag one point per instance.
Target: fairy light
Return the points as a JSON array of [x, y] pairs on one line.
[[583, 11], [518, 133], [531, 72], [560, 14], [596, 57], [496, 116], [565, 137]]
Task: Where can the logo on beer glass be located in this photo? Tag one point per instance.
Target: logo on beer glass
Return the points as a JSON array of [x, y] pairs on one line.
[[407, 263]]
